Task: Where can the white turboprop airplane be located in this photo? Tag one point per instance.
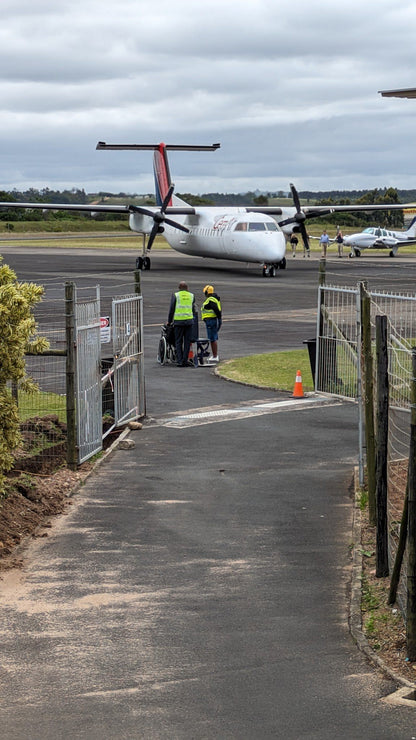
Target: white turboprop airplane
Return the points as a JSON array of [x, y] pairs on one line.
[[244, 234], [375, 237]]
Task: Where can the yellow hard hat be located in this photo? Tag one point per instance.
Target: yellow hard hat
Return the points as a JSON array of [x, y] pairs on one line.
[[208, 289]]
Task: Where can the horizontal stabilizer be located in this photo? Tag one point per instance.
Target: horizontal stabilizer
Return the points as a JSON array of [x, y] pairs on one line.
[[153, 147]]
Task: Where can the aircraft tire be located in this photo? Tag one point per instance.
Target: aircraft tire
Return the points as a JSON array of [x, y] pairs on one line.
[[139, 263], [271, 271], [282, 264], [391, 253], [146, 263]]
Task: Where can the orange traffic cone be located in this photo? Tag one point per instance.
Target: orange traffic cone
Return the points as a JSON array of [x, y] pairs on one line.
[[298, 389]]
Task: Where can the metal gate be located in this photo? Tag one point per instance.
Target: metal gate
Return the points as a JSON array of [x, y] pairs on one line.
[[127, 328], [88, 378], [338, 332], [126, 374]]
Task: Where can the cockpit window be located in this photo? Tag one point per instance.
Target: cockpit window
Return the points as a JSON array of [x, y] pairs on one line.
[[256, 226]]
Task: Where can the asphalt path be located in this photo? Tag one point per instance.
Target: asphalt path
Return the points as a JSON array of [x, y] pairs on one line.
[[198, 588]]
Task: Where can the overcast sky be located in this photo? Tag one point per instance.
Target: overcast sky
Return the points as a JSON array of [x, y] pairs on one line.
[[289, 89]]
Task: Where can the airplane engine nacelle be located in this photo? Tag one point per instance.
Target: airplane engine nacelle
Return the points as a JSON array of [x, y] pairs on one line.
[[141, 223]]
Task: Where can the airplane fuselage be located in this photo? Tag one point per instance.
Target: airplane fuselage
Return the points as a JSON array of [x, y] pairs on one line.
[[230, 234], [375, 237]]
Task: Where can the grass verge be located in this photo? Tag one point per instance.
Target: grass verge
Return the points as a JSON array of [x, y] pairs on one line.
[[276, 370]]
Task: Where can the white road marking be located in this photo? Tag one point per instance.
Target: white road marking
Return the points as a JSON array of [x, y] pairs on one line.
[[208, 416]]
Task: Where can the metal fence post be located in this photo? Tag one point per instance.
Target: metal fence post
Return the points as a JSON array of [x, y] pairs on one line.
[[411, 541], [382, 557], [359, 392], [72, 453], [367, 365], [137, 282]]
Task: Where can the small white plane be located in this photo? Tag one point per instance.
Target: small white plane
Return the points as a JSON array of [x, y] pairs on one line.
[[250, 234], [375, 237]]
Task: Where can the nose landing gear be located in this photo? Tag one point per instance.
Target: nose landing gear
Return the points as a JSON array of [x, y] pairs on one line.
[[143, 263], [270, 270]]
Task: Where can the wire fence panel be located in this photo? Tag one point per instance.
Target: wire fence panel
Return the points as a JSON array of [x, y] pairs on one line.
[[88, 375], [127, 324], [337, 347], [400, 310], [338, 372]]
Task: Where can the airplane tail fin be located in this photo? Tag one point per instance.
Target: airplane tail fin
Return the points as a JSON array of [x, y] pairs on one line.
[[411, 231], [160, 162], [162, 174]]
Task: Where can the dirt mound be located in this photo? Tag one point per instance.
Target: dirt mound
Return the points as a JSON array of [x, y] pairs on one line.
[[38, 487]]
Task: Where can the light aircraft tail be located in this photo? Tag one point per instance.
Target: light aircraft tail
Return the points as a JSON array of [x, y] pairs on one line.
[[411, 231]]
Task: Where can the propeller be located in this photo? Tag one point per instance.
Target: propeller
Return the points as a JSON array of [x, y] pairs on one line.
[[298, 218], [159, 218]]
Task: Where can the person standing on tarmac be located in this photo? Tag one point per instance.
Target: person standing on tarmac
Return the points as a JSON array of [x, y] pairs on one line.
[[182, 315], [340, 241], [324, 241], [211, 314], [294, 243]]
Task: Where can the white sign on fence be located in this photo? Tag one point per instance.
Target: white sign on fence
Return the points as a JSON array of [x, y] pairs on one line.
[[105, 329]]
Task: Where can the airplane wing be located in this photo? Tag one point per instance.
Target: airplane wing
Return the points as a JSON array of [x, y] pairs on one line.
[[385, 242], [91, 208], [409, 92], [67, 207], [317, 211]]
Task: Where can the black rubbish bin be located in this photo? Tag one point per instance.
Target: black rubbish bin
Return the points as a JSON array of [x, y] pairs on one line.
[[312, 355]]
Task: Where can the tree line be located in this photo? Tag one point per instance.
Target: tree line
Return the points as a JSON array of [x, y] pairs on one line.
[[389, 219]]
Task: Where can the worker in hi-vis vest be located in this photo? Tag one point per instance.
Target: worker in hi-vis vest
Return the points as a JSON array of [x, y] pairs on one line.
[[211, 314], [182, 314]]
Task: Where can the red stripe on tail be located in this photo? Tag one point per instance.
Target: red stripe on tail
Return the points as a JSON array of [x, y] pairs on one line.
[[162, 174]]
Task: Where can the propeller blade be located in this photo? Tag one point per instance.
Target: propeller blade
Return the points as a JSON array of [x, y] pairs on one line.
[[159, 217], [295, 197], [153, 234], [292, 220], [299, 217], [167, 199], [140, 209], [305, 236], [176, 225]]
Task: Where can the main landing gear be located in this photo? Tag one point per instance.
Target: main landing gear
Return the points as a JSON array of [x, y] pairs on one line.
[[270, 270], [143, 263]]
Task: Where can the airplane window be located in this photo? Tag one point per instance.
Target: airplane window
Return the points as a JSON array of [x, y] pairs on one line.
[[256, 226], [241, 227], [369, 230], [271, 227]]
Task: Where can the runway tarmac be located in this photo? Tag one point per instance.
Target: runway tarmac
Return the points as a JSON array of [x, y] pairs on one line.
[[199, 586]]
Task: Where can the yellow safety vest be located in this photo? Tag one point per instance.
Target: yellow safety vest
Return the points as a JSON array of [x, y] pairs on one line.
[[208, 313], [183, 307]]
